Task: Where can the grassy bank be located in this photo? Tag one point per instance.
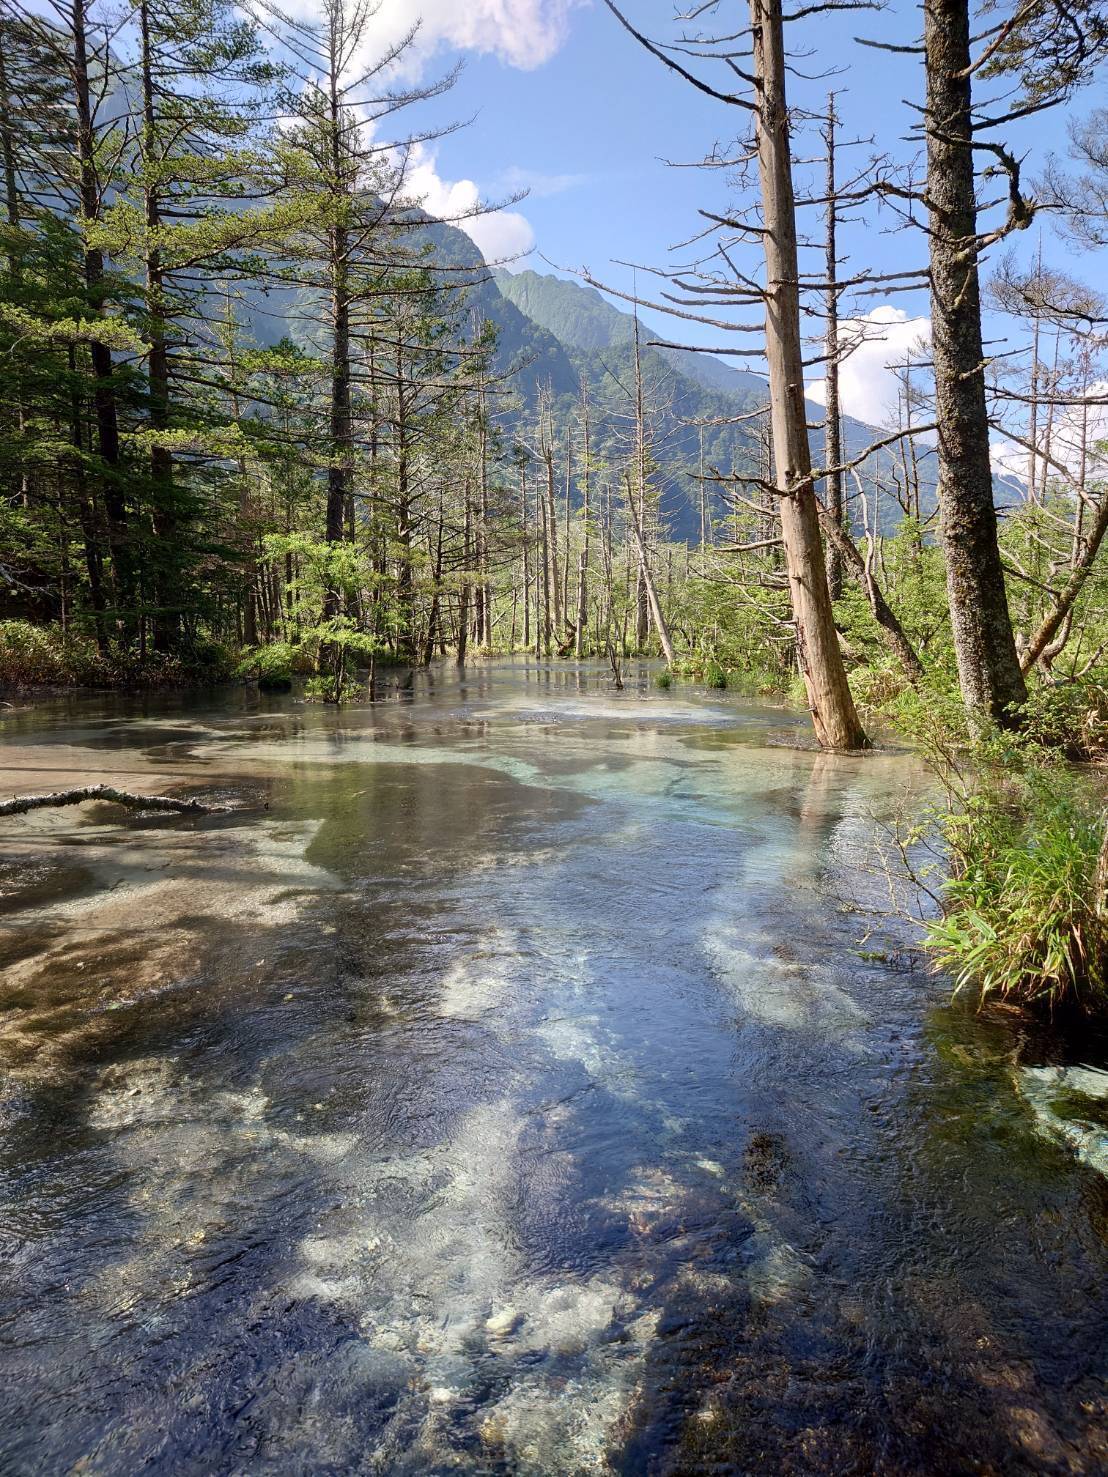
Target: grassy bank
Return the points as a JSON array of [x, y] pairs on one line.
[[1022, 828]]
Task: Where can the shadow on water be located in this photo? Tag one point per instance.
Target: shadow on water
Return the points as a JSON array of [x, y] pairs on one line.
[[514, 1093]]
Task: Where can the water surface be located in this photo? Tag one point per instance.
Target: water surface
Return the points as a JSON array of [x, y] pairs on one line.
[[517, 1078]]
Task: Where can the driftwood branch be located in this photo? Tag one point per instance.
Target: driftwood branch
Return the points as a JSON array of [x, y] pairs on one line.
[[22, 803]]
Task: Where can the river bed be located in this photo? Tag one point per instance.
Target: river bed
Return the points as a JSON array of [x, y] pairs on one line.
[[518, 1076]]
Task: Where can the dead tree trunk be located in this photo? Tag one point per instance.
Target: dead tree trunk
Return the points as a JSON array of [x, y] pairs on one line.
[[892, 632], [23, 803], [1067, 597], [832, 447], [988, 667], [833, 713], [583, 561]]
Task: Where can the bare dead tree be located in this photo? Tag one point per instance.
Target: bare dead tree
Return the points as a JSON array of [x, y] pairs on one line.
[[765, 103]]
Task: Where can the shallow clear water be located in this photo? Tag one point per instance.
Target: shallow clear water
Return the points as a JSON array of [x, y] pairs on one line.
[[517, 1079]]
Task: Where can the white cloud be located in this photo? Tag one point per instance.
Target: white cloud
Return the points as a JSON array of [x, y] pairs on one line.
[[868, 387], [1069, 430], [1008, 459], [521, 33], [499, 234], [504, 237]]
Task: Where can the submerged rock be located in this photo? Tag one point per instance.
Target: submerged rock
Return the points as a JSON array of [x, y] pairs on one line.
[[1071, 1104]]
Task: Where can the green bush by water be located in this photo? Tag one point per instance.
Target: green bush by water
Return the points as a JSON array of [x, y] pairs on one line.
[[44, 656], [1024, 908]]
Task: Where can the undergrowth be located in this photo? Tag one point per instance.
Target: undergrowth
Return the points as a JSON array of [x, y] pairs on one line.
[[43, 656], [1024, 913]]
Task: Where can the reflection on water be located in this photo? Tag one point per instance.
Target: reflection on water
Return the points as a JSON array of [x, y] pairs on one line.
[[504, 1085]]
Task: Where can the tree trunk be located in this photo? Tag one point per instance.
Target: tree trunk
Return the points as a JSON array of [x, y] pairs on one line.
[[526, 556], [892, 631], [833, 713], [1067, 597], [23, 803], [988, 668], [832, 438], [166, 618], [107, 419], [583, 563], [463, 602], [554, 582]]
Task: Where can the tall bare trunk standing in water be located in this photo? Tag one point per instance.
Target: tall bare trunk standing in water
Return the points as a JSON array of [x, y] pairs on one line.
[[648, 602], [836, 721]]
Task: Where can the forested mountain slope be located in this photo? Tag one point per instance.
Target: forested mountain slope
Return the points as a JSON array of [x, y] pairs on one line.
[[555, 335], [704, 387]]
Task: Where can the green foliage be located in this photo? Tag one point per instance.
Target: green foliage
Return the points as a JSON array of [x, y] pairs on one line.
[[275, 661], [330, 575], [729, 641], [45, 656], [1024, 912], [663, 679], [1070, 717]]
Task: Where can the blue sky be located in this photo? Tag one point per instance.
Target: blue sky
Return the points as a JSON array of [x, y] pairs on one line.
[[568, 103]]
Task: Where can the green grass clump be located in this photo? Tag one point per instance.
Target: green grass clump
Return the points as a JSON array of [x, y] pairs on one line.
[[1025, 915], [664, 679]]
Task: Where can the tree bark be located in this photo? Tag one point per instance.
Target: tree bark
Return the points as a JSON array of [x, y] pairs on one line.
[[107, 417], [583, 562], [526, 555], [988, 668], [833, 713], [166, 619], [832, 439], [23, 803]]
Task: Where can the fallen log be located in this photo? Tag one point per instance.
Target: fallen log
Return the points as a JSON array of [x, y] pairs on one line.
[[22, 803]]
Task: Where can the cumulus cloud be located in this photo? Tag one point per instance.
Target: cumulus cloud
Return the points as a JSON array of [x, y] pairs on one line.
[[499, 234], [1009, 460], [868, 385], [521, 33], [1078, 440], [540, 186]]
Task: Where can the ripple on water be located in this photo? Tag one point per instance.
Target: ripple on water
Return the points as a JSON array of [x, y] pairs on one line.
[[508, 1099]]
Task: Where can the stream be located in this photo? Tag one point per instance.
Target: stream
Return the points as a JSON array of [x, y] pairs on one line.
[[517, 1076]]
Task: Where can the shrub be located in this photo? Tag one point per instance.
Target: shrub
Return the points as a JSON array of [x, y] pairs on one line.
[[1071, 717], [664, 679], [1024, 908], [44, 656], [275, 664], [39, 656]]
